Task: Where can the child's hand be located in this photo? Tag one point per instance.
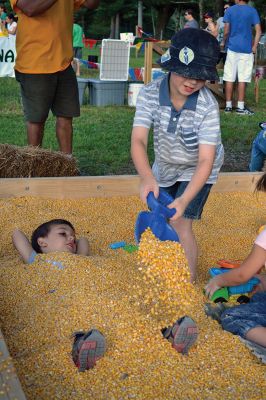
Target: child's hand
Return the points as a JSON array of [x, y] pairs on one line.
[[211, 287], [180, 207], [260, 287], [147, 185], [83, 247]]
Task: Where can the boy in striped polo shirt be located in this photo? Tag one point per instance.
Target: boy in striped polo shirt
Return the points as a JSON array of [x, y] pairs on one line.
[[186, 129]]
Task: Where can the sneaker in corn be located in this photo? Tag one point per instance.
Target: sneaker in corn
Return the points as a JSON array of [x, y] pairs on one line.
[[182, 334], [215, 312], [87, 349]]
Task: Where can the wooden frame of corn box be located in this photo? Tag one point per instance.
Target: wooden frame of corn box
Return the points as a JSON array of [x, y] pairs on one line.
[[84, 187]]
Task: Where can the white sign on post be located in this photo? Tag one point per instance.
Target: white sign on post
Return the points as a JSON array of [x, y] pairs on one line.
[[7, 56], [114, 60]]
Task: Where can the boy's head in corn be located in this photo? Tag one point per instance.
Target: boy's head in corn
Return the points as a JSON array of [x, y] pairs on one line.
[[54, 235]]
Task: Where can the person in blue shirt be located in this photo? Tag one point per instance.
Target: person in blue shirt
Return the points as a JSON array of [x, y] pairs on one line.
[[239, 21]]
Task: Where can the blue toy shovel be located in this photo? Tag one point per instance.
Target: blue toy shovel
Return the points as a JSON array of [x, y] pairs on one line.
[[157, 218]]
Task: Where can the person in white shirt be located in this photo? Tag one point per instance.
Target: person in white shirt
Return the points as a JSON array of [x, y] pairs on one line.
[[11, 24]]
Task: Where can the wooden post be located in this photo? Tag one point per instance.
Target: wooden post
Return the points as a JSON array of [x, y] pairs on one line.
[[256, 89], [259, 74], [140, 14], [137, 35], [117, 26], [148, 62], [159, 48]]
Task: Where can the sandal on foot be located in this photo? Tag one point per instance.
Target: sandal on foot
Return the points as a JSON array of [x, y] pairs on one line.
[[87, 348], [182, 334]]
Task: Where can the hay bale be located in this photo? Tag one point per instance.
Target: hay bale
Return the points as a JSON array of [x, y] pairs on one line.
[[29, 161]]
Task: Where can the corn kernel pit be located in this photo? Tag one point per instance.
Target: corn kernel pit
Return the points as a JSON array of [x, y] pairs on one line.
[[129, 297]]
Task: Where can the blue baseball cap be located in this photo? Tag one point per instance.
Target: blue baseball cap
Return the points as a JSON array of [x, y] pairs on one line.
[[193, 53]]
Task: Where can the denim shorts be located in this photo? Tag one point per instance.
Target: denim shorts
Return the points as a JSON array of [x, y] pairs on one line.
[[195, 207], [240, 319], [41, 93], [258, 152]]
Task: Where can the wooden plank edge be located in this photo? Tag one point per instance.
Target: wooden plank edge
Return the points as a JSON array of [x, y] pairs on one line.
[[236, 182], [107, 186], [10, 387]]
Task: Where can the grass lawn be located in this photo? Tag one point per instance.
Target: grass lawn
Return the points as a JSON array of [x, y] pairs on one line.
[[102, 134]]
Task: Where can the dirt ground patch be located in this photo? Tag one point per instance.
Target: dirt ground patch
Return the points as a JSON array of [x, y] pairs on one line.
[[235, 160]]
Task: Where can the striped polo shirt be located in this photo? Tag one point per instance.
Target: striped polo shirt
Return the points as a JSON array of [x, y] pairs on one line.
[[177, 134]]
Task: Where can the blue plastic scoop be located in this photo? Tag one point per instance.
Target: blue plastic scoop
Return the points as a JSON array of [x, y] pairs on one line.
[[157, 218]]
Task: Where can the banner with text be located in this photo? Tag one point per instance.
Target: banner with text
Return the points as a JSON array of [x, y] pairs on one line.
[[7, 55]]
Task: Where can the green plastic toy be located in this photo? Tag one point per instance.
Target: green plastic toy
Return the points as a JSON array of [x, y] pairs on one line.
[[130, 248], [221, 295]]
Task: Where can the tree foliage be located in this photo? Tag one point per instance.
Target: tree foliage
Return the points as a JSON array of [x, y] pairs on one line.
[[7, 6], [100, 25], [161, 18]]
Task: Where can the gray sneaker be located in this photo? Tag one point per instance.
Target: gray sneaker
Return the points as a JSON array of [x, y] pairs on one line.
[[215, 312], [87, 348], [244, 111], [183, 334]]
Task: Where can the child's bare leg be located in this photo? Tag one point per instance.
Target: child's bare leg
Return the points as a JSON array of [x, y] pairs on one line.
[[77, 68], [183, 227], [257, 335], [73, 64]]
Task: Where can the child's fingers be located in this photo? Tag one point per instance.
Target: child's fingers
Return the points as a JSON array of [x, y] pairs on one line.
[[147, 186], [175, 216], [210, 289], [257, 288], [207, 291], [156, 192]]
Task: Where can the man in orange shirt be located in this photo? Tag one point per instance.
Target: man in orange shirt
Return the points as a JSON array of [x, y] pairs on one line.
[[43, 66]]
